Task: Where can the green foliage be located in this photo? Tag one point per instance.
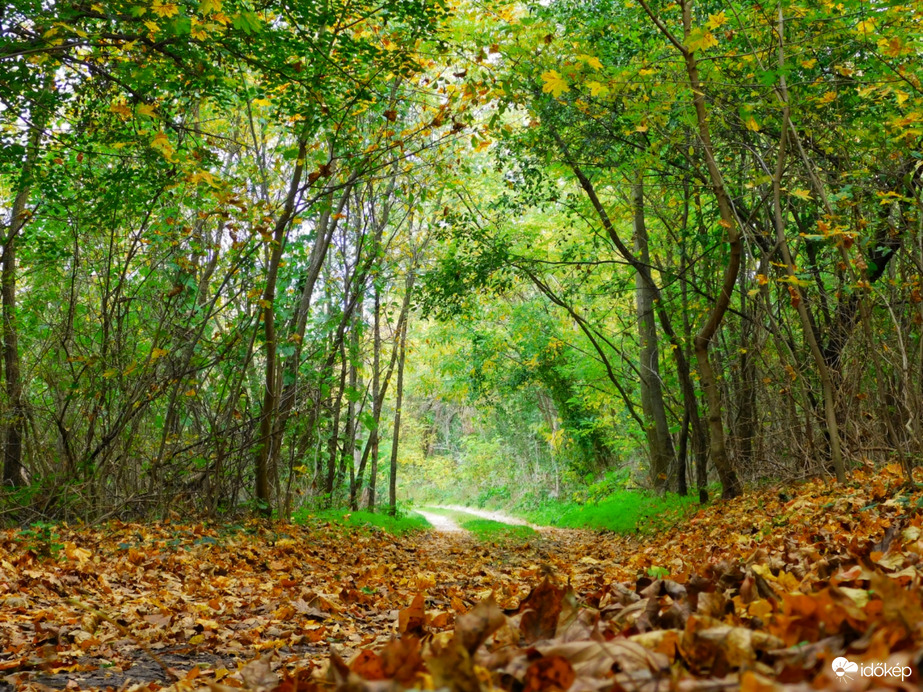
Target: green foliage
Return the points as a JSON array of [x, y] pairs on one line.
[[403, 522], [180, 165], [42, 538], [495, 531], [494, 496], [658, 572], [621, 511]]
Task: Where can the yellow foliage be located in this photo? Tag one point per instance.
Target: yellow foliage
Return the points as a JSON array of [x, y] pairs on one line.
[[555, 84]]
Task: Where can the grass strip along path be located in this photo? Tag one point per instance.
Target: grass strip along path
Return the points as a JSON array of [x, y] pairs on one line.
[[498, 528], [760, 593]]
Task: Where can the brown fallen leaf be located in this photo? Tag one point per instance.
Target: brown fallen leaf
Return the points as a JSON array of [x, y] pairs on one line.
[[540, 611], [412, 619], [472, 629]]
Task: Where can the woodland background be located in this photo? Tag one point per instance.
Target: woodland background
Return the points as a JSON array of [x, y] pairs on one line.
[[278, 255]]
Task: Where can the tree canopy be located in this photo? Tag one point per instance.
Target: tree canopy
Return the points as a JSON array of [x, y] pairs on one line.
[[262, 256]]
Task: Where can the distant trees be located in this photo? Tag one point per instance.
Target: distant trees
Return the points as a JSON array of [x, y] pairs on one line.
[[199, 198], [682, 233], [765, 161]]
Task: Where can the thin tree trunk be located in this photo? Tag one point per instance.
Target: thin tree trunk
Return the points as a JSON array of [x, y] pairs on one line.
[[263, 483], [349, 447], [14, 425], [326, 228], [660, 444], [334, 435], [730, 483], [377, 402], [399, 397], [807, 328]]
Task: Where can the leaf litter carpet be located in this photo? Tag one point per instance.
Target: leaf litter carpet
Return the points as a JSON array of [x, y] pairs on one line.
[[760, 593]]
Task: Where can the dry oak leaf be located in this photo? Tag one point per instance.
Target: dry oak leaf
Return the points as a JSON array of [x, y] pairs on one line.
[[412, 619], [540, 611]]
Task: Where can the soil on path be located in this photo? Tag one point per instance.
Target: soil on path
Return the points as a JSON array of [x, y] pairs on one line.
[[491, 515], [440, 522]]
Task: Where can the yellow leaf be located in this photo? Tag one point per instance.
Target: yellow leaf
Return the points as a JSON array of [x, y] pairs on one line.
[[597, 89], [158, 353], [76, 554], [162, 144], [203, 177], [866, 26], [152, 26], [146, 109], [645, 72], [121, 110], [901, 96], [262, 102], [591, 61], [751, 124], [190, 392], [892, 46], [700, 39], [801, 194], [716, 20], [808, 64], [208, 6], [198, 30], [555, 84], [164, 9], [160, 141]]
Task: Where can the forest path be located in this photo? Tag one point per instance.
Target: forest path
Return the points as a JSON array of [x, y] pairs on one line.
[[492, 516], [440, 522]]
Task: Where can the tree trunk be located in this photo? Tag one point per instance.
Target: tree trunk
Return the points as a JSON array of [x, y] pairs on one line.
[[262, 481], [377, 402], [349, 447], [326, 228], [14, 423], [399, 396], [806, 326], [679, 354], [729, 481], [660, 444], [332, 447]]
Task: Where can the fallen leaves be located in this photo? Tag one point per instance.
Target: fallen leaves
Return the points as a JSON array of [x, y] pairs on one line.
[[759, 593]]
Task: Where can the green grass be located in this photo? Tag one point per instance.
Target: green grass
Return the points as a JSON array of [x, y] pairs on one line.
[[622, 511], [486, 529], [403, 523]]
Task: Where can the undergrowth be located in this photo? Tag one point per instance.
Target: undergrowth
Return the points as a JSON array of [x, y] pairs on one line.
[[398, 525], [621, 511]]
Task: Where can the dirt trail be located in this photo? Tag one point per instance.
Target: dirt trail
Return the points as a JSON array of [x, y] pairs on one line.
[[489, 514], [441, 523]]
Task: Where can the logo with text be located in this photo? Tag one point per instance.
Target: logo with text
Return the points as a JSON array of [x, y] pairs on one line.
[[846, 669]]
